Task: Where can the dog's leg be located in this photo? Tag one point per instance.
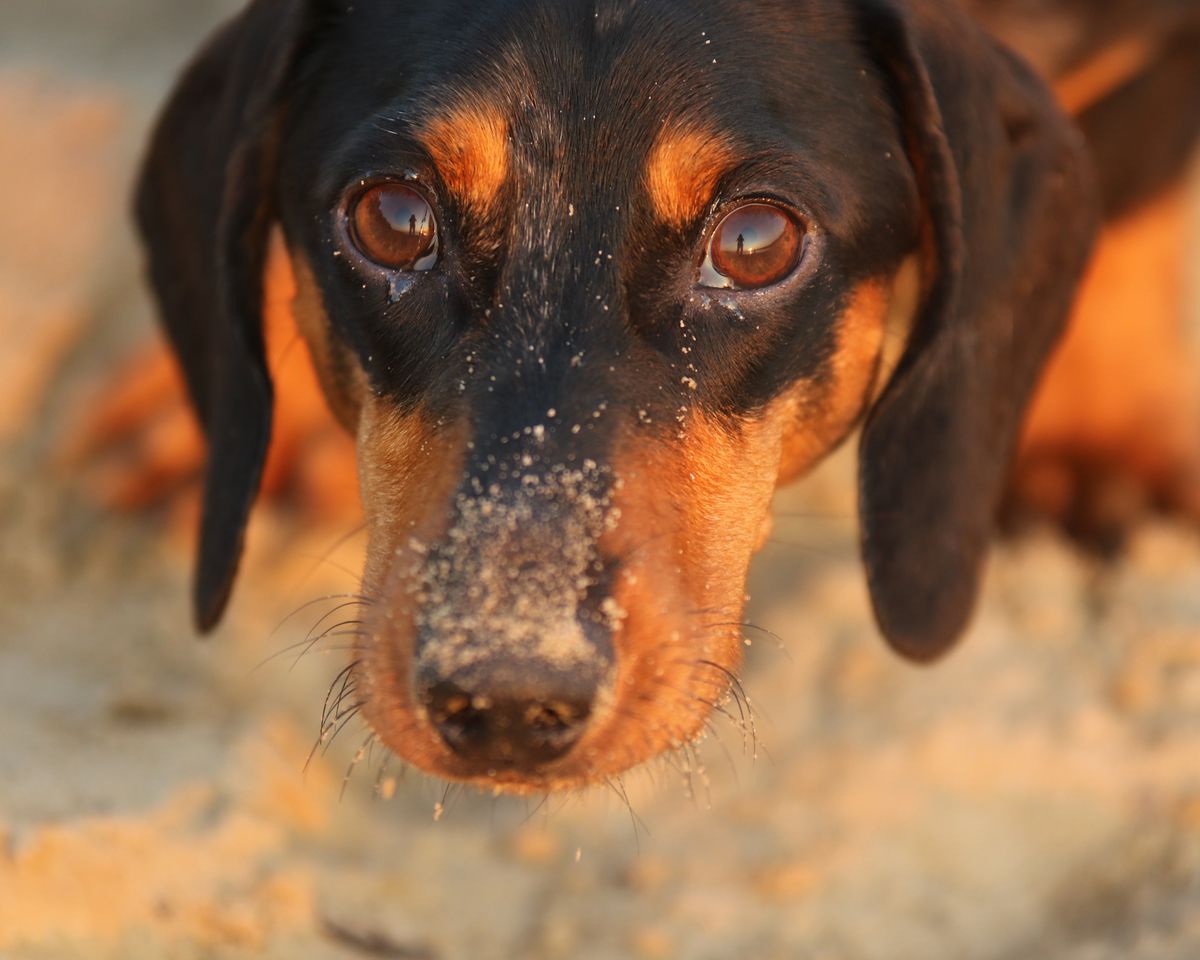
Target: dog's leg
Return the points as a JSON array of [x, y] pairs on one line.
[[1114, 430]]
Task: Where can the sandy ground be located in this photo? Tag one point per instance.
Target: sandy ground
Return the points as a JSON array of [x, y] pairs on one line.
[[1035, 796]]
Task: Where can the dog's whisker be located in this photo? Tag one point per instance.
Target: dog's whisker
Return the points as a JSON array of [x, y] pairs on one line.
[[359, 755], [355, 597], [740, 725], [746, 625], [327, 561], [341, 720], [310, 641], [741, 699], [617, 785], [450, 792], [698, 769], [385, 785], [744, 723], [338, 712], [344, 677], [325, 557], [712, 729], [531, 813], [333, 631]]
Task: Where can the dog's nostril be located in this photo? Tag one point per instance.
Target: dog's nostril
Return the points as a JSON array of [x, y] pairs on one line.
[[504, 730], [455, 714], [552, 718]]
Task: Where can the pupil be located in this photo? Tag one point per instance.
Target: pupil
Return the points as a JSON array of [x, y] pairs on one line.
[[405, 212], [754, 246], [752, 232], [394, 226]]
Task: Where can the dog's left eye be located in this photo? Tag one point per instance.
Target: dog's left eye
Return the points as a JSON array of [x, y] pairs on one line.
[[393, 225], [754, 245]]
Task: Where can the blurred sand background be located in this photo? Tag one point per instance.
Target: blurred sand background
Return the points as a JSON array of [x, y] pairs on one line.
[[1035, 796]]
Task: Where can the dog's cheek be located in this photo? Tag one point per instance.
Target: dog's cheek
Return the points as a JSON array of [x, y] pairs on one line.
[[310, 458], [815, 416], [409, 467], [693, 511], [342, 379], [690, 512]]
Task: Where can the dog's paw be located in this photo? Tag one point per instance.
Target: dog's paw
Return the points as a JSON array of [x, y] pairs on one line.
[[1099, 499]]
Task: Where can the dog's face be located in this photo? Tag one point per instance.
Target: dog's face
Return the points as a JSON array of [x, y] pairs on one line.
[[573, 394], [587, 280]]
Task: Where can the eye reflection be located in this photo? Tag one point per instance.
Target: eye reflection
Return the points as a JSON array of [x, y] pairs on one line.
[[393, 225], [755, 245]]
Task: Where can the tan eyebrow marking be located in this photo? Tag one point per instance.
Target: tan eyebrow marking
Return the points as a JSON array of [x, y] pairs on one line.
[[469, 144], [682, 172]]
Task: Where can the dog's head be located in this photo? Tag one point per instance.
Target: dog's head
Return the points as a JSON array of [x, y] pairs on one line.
[[587, 280]]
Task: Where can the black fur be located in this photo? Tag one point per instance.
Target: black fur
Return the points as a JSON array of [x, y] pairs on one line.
[[1007, 186], [202, 206], [879, 128]]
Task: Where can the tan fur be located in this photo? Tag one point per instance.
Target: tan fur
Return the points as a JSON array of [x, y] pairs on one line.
[[682, 172], [469, 144], [409, 467], [1121, 389], [814, 418], [340, 375], [309, 454], [679, 596], [1103, 74], [681, 588]]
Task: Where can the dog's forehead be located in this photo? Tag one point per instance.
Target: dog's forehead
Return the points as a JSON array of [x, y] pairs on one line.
[[562, 86], [581, 146], [604, 97], [598, 70]]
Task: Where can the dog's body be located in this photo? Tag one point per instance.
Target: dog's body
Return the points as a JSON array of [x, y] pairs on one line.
[[587, 281]]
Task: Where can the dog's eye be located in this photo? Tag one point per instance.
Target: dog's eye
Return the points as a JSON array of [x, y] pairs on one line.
[[755, 245], [394, 225]]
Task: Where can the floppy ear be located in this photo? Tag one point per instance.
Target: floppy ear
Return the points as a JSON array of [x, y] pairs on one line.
[[203, 208], [1010, 215]]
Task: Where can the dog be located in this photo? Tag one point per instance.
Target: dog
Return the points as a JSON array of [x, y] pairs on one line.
[[586, 281]]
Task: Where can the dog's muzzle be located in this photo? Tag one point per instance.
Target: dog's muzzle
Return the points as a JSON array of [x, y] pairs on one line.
[[514, 654]]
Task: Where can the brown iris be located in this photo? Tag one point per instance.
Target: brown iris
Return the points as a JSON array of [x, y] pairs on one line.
[[394, 226], [755, 245]]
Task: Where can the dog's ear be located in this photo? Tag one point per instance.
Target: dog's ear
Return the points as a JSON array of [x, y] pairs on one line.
[[203, 208], [1009, 215]]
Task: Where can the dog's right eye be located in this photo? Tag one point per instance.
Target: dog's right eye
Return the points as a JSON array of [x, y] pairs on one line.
[[393, 225], [753, 246]]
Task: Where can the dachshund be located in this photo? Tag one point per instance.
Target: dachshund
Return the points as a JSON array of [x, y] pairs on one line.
[[586, 281]]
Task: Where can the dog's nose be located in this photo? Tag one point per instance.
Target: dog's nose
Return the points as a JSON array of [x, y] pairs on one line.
[[501, 726]]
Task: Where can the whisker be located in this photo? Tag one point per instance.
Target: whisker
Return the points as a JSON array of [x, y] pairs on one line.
[[334, 631], [617, 785], [342, 719], [745, 625], [359, 755], [343, 677], [360, 598], [716, 735], [324, 557]]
